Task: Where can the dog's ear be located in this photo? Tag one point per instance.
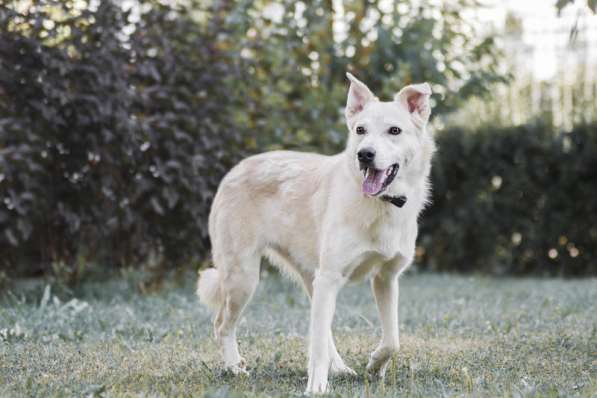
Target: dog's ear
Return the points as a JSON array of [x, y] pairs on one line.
[[416, 99], [358, 96]]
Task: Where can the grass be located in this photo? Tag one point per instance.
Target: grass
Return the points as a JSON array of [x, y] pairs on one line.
[[460, 336]]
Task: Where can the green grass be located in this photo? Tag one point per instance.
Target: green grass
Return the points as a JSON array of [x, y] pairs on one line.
[[459, 335]]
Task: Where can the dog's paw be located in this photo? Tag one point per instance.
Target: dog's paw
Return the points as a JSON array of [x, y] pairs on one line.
[[317, 388], [379, 361], [318, 380], [239, 368], [341, 369]]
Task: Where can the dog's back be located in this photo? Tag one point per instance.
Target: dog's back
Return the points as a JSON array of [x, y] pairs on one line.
[[266, 198]]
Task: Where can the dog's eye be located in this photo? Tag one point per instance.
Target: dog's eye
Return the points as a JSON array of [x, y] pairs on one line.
[[361, 130], [394, 130]]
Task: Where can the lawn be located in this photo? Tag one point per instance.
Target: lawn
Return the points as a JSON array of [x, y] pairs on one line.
[[460, 335]]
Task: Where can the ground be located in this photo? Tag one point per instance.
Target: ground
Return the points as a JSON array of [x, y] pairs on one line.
[[460, 335]]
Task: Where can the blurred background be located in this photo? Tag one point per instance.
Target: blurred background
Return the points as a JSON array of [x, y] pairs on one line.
[[119, 118]]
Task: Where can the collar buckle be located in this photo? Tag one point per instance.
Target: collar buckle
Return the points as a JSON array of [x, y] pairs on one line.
[[397, 201]]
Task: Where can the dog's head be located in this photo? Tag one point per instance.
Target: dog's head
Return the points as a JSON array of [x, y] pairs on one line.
[[388, 142]]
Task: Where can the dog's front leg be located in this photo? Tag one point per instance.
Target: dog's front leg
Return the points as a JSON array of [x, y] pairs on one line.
[[325, 289], [385, 290]]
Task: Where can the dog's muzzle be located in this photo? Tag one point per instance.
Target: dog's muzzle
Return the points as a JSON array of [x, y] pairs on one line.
[[377, 180]]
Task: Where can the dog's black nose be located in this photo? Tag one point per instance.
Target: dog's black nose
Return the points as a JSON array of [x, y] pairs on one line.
[[366, 155]]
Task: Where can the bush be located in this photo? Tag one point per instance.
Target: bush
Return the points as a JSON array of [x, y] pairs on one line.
[[517, 200], [113, 135]]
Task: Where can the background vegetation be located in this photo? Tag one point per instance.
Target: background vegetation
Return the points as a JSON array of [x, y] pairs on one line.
[[513, 200], [117, 123]]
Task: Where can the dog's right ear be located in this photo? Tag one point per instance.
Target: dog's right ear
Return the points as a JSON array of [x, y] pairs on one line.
[[358, 96]]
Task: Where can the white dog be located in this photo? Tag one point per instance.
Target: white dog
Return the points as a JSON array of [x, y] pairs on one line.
[[326, 220]]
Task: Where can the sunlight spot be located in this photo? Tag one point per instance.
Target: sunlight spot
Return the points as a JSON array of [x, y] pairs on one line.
[[419, 252], [566, 144], [386, 6], [350, 51], [516, 238], [8, 203], [572, 250], [274, 12], [48, 24]]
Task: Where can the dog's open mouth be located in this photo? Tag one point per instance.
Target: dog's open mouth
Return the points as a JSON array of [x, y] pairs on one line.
[[376, 181]]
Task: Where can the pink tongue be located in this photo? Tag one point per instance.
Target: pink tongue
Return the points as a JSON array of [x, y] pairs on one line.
[[374, 181]]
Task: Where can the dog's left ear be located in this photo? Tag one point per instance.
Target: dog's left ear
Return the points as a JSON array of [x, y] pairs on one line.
[[416, 99]]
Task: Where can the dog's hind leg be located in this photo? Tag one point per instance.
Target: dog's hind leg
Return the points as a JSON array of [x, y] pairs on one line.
[[239, 279], [338, 366]]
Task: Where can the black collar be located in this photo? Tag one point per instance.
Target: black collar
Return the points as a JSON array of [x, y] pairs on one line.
[[398, 201]]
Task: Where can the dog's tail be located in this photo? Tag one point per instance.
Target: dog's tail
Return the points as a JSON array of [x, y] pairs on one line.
[[208, 288]]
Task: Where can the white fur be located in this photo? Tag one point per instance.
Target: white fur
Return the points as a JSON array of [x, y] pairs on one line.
[[308, 215], [208, 288]]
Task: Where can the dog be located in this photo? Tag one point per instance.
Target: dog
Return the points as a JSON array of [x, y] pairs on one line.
[[326, 220]]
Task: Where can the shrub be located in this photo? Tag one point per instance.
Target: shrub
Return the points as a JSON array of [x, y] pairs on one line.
[[113, 135], [516, 200]]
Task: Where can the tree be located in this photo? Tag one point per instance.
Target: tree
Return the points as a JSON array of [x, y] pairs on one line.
[[296, 57]]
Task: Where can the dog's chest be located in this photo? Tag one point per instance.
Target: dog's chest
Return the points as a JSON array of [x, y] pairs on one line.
[[384, 237], [381, 244], [367, 264]]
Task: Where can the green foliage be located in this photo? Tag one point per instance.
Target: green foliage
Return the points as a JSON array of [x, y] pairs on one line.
[[111, 143], [296, 58], [513, 200]]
